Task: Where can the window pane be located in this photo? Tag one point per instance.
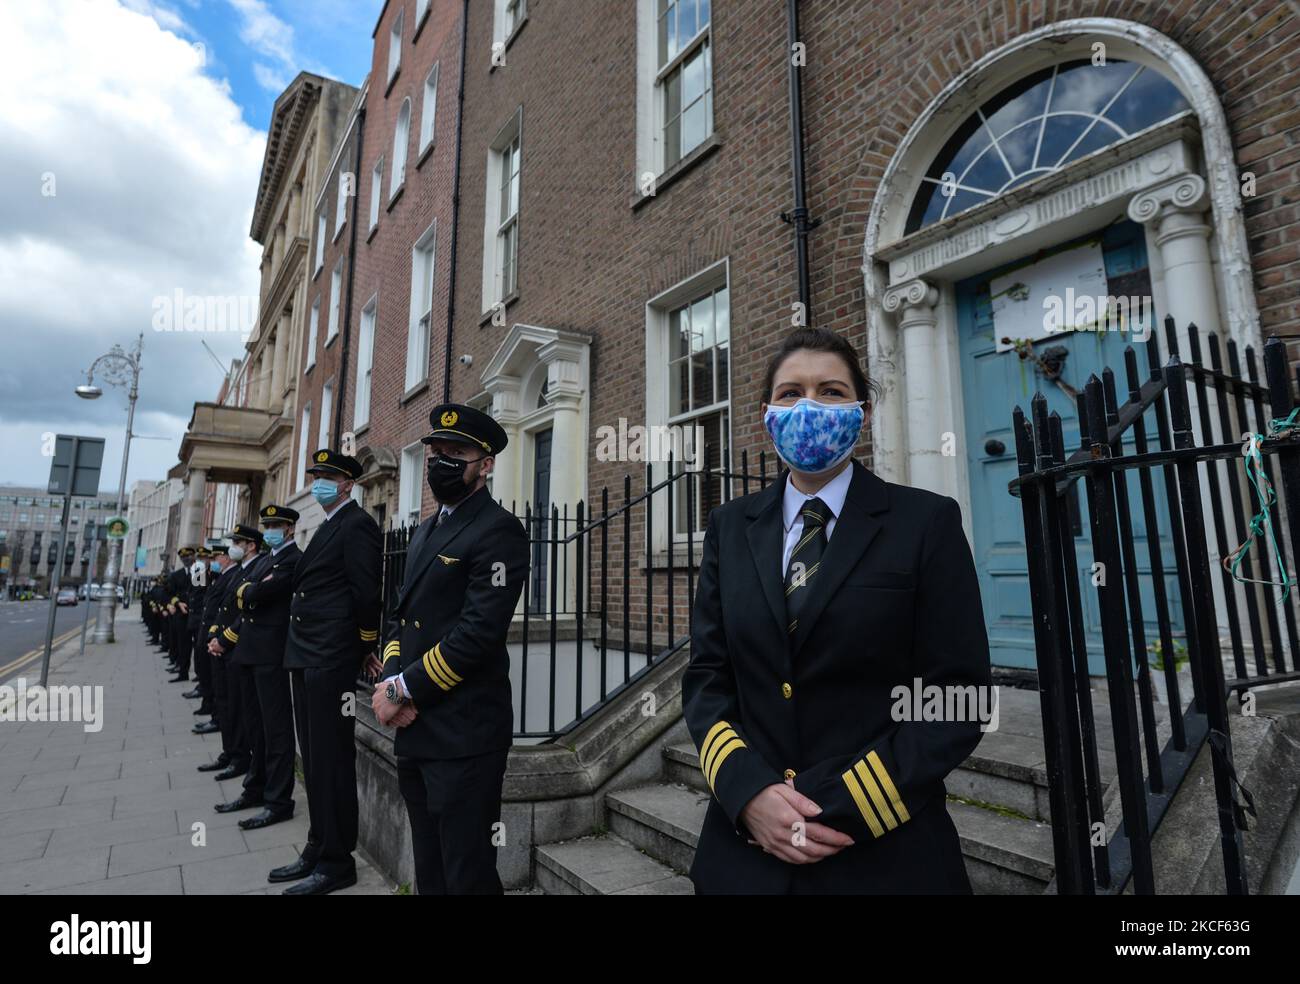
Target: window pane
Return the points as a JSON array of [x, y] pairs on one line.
[[687, 25], [722, 315], [702, 324], [678, 387], [693, 77], [723, 353], [695, 127], [701, 380]]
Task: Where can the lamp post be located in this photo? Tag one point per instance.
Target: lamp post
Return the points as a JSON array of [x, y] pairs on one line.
[[119, 368]]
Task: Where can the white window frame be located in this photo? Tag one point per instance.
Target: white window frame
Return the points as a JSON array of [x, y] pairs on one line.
[[365, 363], [320, 243], [401, 144], [424, 256], [658, 351], [326, 412], [410, 485], [429, 109], [376, 191], [341, 204], [507, 17], [336, 300], [652, 150], [304, 451], [422, 8], [313, 330], [498, 229], [395, 45]]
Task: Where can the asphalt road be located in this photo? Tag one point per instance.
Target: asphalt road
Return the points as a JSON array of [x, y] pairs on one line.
[[22, 634]]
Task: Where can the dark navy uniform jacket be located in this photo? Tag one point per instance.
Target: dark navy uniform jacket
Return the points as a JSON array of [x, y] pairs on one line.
[[335, 612], [896, 598], [263, 603], [229, 614], [447, 633], [214, 599]]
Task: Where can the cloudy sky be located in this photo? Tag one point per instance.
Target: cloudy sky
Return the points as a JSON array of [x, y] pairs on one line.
[[131, 138]]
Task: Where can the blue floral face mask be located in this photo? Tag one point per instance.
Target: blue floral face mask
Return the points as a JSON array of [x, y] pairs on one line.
[[812, 437]]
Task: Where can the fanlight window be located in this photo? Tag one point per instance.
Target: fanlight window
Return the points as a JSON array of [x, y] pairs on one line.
[[1039, 125]]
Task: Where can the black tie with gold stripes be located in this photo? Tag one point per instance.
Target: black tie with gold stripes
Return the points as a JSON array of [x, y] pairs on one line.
[[805, 559]]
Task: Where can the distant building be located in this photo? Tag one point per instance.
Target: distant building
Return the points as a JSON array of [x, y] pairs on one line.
[[29, 536], [146, 541]]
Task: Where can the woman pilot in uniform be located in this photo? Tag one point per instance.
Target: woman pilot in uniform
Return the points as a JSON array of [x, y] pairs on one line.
[[824, 603]]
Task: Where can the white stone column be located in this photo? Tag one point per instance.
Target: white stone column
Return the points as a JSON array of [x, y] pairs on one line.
[[565, 392], [281, 344], [191, 531], [1175, 210], [915, 303], [506, 473]]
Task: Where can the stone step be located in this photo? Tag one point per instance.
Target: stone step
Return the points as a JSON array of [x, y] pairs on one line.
[[663, 820], [1004, 855], [682, 765], [603, 865]]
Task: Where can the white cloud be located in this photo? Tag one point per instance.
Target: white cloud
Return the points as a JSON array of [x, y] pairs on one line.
[[270, 36], [153, 173]]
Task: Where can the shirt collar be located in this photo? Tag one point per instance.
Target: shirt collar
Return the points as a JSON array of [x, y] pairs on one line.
[[833, 493]]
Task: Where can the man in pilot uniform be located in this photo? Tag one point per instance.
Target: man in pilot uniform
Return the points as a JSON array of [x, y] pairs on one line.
[[267, 708], [446, 673], [334, 617]]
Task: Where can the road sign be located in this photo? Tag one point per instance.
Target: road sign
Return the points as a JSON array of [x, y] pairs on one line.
[[82, 476], [115, 528]]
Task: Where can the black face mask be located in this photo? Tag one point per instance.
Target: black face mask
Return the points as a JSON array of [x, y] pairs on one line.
[[446, 477]]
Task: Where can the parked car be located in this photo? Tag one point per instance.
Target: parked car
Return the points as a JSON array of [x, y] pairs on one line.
[[66, 597]]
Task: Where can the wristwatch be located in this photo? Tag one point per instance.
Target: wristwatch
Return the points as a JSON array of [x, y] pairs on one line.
[[391, 693]]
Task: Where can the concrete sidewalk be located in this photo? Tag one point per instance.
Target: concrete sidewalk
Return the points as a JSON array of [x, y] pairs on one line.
[[115, 812]]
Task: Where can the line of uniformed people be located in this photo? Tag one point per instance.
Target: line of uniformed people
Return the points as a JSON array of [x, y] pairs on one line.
[[278, 638]]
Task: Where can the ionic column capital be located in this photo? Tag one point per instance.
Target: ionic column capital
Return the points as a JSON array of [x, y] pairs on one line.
[[910, 294], [1185, 193]]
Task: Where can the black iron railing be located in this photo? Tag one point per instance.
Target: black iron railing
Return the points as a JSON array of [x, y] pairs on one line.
[[1186, 453], [606, 599]]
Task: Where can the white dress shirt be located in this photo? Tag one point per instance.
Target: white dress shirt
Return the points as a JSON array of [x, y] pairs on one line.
[[832, 493]]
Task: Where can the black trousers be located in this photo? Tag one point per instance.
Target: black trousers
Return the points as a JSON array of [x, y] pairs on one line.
[[329, 764], [276, 714], [454, 806], [226, 709], [203, 664], [250, 721], [187, 652], [176, 636]]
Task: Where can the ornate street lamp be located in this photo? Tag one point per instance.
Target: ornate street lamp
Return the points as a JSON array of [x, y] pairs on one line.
[[122, 369]]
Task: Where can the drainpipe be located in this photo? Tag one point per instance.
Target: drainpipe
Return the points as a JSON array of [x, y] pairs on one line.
[[798, 216], [455, 204], [347, 314]]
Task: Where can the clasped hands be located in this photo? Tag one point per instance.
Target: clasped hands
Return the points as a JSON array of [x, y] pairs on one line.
[[390, 713], [779, 819]]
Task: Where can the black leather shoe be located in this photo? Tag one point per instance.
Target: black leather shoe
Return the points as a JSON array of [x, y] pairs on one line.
[[206, 728], [192, 694], [204, 710], [221, 762], [179, 679], [301, 868], [243, 803], [233, 772], [264, 819], [320, 884]]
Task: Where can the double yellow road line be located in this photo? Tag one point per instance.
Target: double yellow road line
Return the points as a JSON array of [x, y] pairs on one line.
[[37, 653]]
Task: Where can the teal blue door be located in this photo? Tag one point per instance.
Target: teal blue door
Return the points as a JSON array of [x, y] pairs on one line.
[[993, 383]]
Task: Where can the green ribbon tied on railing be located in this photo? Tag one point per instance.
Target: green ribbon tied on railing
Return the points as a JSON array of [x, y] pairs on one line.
[[1261, 522]]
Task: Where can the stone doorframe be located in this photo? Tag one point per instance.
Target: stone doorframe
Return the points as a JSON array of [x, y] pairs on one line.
[[1177, 178], [513, 381]]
